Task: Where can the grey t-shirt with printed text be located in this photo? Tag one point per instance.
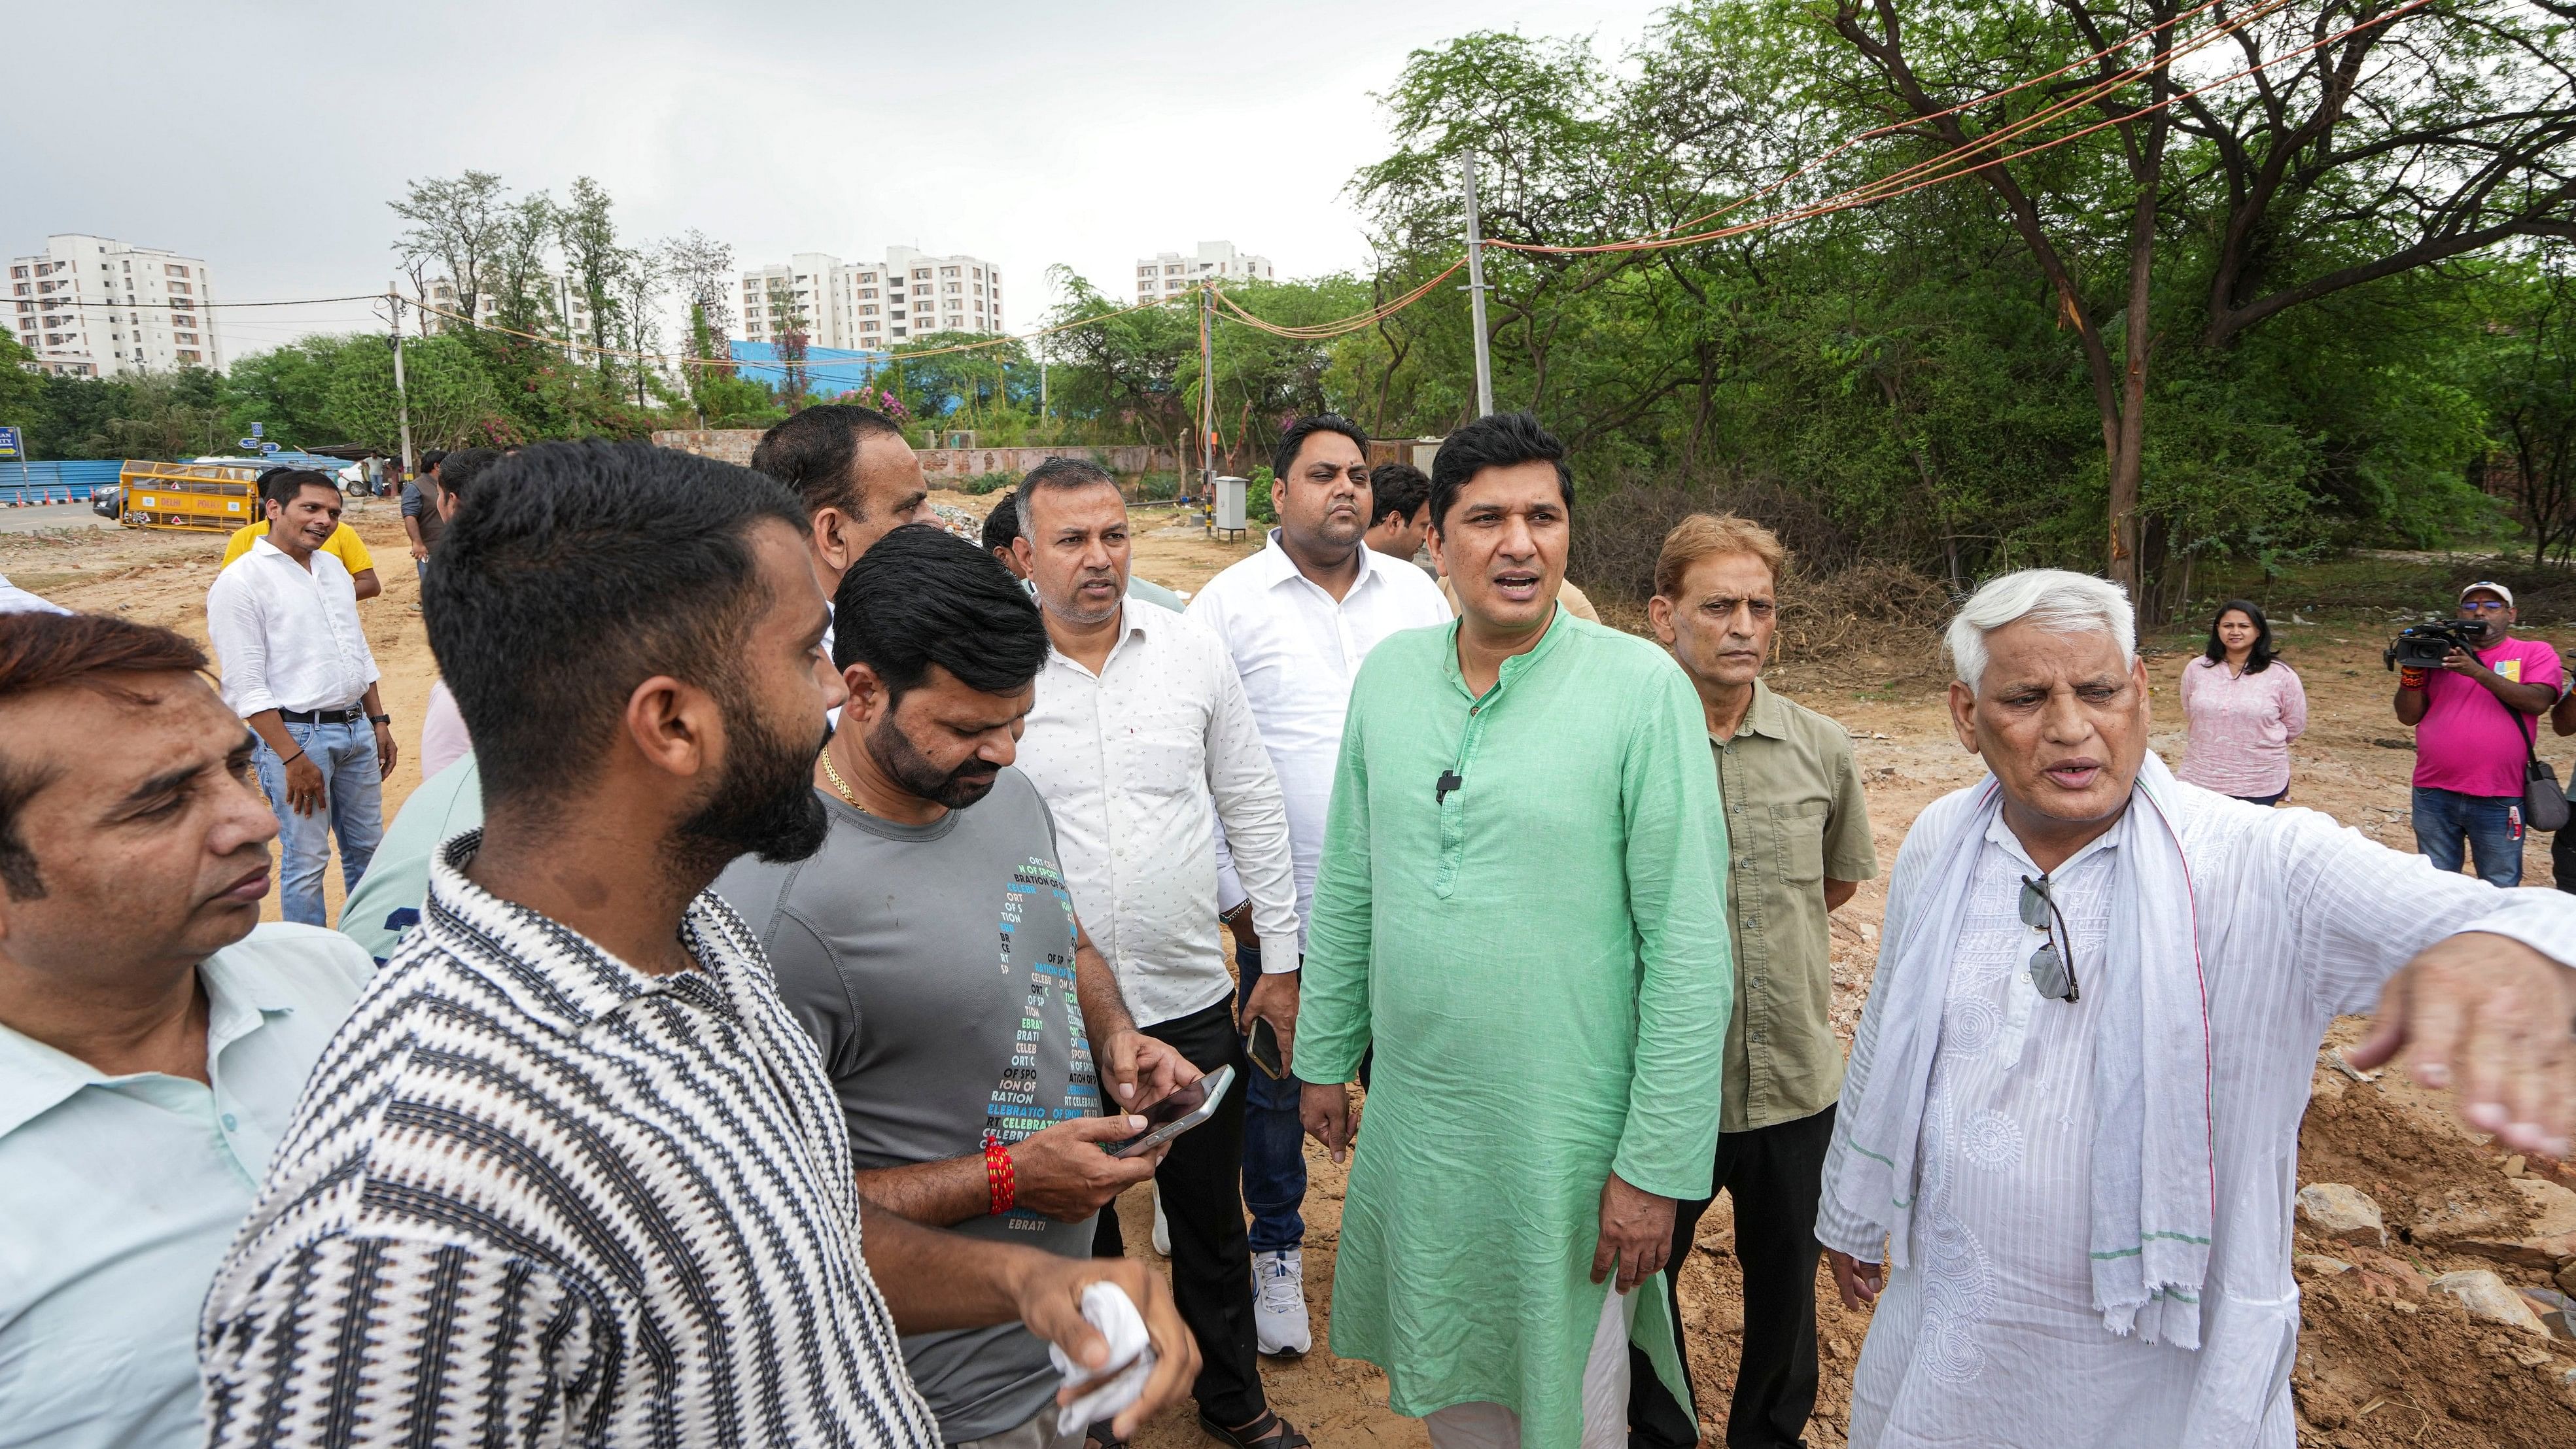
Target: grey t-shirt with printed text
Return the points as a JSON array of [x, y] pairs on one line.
[[934, 966]]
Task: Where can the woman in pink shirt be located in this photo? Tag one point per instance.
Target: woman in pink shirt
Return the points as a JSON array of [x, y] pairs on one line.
[[2244, 707]]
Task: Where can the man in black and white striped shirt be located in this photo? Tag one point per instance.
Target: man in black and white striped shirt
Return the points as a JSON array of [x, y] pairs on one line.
[[571, 1173]]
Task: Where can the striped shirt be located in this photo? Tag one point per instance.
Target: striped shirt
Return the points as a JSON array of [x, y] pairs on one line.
[[534, 1196]]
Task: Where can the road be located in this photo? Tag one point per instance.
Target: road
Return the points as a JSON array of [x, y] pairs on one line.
[[50, 515]]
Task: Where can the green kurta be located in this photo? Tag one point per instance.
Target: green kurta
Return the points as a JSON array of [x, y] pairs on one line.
[[1541, 962]]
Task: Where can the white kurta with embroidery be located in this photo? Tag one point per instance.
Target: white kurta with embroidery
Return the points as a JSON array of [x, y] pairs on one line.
[[1992, 1338]]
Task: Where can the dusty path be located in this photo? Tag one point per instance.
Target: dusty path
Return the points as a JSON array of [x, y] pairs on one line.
[[2383, 1362]]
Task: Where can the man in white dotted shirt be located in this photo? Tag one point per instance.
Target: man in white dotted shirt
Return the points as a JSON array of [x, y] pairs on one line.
[[2069, 1114], [1141, 741]]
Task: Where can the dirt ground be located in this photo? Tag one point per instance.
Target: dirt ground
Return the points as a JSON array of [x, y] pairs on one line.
[[2383, 1363]]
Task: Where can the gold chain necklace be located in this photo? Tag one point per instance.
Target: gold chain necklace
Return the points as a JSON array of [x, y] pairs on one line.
[[832, 773]]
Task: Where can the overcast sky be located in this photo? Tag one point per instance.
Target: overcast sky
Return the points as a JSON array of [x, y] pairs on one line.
[[266, 138]]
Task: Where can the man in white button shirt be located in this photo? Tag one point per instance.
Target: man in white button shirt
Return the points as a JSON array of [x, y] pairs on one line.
[[284, 621], [153, 1035], [1141, 742], [857, 476], [1297, 618]]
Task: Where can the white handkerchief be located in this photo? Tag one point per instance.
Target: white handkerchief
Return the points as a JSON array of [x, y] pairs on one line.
[[1107, 1308]]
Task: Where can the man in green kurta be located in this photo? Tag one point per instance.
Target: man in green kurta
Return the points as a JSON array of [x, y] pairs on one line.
[[1519, 906]]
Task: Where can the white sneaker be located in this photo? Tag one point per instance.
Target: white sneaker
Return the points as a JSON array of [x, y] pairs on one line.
[[1162, 1226], [1279, 1303]]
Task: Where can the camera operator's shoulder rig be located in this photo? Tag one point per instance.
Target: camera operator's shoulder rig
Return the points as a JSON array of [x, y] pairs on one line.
[[2426, 645]]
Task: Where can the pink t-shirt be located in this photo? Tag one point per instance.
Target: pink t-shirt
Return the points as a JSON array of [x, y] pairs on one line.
[[2469, 740], [443, 740]]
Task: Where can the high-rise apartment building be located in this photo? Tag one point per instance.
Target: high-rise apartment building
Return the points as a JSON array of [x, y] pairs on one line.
[[92, 306], [1172, 272], [863, 305]]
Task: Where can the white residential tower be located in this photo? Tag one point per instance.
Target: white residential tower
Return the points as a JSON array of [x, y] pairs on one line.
[[1173, 272], [93, 306], [860, 306]]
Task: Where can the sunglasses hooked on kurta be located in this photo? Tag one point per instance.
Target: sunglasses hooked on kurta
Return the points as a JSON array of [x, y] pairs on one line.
[[2052, 966]]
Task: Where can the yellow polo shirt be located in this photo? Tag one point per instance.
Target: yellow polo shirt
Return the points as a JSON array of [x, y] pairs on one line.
[[345, 545]]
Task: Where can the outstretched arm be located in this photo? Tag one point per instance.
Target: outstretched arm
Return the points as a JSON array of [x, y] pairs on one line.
[[2471, 982]]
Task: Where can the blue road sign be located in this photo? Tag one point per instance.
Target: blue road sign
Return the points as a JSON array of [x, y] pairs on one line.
[[9, 446], [248, 444], [267, 448], [259, 430]]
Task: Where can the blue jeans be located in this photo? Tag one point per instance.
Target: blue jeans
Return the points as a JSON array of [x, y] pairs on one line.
[[2490, 826], [1274, 1143], [352, 809]]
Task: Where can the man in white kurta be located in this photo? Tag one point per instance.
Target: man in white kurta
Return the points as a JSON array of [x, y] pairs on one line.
[[1991, 1329]]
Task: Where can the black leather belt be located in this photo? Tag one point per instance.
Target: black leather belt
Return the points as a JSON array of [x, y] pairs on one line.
[[350, 715]]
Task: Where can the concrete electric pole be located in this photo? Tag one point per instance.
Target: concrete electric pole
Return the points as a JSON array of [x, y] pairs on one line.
[[1476, 294], [1207, 392], [402, 393]]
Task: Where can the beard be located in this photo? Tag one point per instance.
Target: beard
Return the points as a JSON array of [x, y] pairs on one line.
[[894, 756], [764, 804]]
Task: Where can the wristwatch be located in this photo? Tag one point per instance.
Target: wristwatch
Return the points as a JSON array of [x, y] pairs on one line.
[[382, 719]]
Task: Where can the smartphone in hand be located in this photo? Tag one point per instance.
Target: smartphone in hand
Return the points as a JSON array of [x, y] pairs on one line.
[[1261, 1043], [1178, 1113]]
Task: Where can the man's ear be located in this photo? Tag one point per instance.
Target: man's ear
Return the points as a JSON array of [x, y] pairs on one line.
[[869, 697], [832, 539], [1027, 554], [1963, 715], [1659, 612], [1431, 540], [676, 727]]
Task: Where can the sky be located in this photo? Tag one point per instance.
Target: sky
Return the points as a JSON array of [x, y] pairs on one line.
[[266, 138]]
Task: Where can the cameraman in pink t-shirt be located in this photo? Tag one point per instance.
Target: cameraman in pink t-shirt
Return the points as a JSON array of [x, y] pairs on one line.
[[2475, 719]]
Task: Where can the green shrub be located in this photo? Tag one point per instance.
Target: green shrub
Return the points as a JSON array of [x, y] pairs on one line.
[[988, 483]]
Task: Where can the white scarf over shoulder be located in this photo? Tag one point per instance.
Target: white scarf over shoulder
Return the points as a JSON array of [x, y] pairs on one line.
[[2154, 1187]]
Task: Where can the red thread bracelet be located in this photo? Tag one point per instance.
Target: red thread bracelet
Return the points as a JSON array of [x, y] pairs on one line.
[[1001, 1180]]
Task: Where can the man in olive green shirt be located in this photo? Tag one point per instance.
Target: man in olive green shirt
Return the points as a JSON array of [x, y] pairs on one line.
[[1800, 836]]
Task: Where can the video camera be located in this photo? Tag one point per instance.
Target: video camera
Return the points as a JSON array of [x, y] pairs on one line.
[[2424, 646]]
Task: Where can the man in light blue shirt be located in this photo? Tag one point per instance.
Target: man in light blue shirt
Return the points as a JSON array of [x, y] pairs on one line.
[[387, 904], [153, 1037]]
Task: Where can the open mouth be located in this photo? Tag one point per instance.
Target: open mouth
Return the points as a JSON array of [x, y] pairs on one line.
[[1518, 586], [2074, 774]]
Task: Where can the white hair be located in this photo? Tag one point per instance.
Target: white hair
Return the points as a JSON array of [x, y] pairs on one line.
[[2053, 599]]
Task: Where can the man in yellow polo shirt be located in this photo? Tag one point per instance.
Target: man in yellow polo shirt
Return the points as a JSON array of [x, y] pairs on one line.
[[345, 545]]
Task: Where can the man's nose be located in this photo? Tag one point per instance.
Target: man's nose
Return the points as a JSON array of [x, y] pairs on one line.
[[2063, 719]]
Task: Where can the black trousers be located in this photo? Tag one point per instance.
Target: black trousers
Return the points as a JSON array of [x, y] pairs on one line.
[[1775, 1175], [1202, 1186]]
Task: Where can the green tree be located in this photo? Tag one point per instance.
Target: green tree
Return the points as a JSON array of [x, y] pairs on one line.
[[594, 264], [22, 390], [166, 415], [455, 226], [452, 401], [287, 390]]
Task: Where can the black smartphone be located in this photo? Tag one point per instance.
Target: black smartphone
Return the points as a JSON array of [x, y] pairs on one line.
[[1261, 1044]]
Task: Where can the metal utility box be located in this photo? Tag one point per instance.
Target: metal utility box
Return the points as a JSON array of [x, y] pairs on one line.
[[200, 497], [1229, 504]]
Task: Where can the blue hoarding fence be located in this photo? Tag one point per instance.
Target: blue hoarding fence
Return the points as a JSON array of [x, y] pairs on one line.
[[24, 484]]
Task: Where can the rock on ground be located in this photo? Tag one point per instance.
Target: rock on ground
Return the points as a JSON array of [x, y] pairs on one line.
[[2487, 1297], [2342, 1214]]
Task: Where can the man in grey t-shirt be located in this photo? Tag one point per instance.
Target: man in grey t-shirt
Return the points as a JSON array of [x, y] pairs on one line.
[[931, 948]]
